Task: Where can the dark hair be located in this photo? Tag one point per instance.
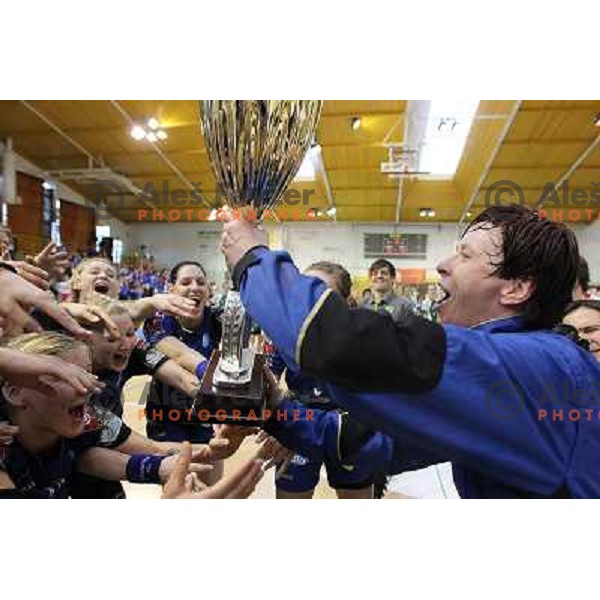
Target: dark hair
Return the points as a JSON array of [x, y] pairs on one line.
[[364, 292], [382, 263], [583, 274], [342, 277], [175, 270], [593, 304], [538, 250]]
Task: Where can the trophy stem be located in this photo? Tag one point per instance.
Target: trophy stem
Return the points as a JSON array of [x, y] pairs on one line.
[[237, 360]]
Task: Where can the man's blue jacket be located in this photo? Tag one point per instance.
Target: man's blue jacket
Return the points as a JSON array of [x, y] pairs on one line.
[[516, 411]]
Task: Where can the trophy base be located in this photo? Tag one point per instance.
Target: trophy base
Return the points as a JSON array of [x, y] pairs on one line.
[[242, 404]]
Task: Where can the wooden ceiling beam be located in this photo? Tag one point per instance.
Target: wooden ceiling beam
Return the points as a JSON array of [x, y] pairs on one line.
[[593, 105], [117, 155], [173, 126], [546, 142], [498, 167]]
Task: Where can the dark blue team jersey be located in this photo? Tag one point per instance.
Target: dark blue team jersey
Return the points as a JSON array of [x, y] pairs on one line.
[[305, 388], [205, 339], [50, 474]]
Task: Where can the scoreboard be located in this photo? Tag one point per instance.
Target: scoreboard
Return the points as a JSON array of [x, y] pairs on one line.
[[395, 245]]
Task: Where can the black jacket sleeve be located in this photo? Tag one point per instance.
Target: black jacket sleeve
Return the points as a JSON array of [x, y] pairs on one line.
[[343, 345]]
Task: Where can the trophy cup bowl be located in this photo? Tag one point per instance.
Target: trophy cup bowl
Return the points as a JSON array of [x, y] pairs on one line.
[[255, 148]]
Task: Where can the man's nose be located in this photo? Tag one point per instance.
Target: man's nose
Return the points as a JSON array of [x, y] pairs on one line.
[[443, 267]]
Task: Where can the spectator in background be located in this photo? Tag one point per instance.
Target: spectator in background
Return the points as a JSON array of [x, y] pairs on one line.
[[584, 316], [367, 296], [383, 275], [582, 287], [427, 305]]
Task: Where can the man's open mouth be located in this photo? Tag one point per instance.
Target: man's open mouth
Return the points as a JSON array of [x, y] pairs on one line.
[[445, 296]]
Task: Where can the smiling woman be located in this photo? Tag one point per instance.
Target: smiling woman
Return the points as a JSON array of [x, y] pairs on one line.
[[188, 341]]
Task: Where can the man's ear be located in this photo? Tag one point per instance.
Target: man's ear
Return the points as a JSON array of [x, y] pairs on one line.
[[515, 292]]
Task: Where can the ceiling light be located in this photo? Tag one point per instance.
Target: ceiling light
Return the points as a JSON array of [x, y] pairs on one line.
[[151, 137], [469, 214], [138, 133], [161, 134], [597, 120], [423, 212], [431, 213], [331, 211], [355, 123], [153, 123]]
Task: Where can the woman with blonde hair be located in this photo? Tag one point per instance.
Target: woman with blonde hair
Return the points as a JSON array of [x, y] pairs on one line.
[[59, 437], [98, 276]]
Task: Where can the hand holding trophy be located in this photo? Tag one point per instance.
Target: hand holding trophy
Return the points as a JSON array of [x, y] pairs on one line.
[[255, 148]]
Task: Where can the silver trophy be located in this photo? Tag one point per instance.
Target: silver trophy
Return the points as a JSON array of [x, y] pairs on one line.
[[255, 148]]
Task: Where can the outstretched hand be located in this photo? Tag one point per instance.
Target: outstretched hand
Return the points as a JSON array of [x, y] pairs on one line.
[[272, 451], [52, 260], [29, 272], [39, 372], [92, 315], [182, 485], [228, 439], [19, 296], [172, 304]]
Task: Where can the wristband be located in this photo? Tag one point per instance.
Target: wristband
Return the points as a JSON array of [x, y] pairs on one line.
[[143, 468], [201, 369], [153, 358]]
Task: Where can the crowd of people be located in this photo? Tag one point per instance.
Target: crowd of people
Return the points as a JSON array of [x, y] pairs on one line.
[[63, 368], [389, 386]]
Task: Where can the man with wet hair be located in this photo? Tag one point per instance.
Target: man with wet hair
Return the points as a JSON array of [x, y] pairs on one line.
[[472, 390]]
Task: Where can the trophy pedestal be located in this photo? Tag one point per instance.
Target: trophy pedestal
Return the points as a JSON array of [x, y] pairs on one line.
[[236, 404]]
